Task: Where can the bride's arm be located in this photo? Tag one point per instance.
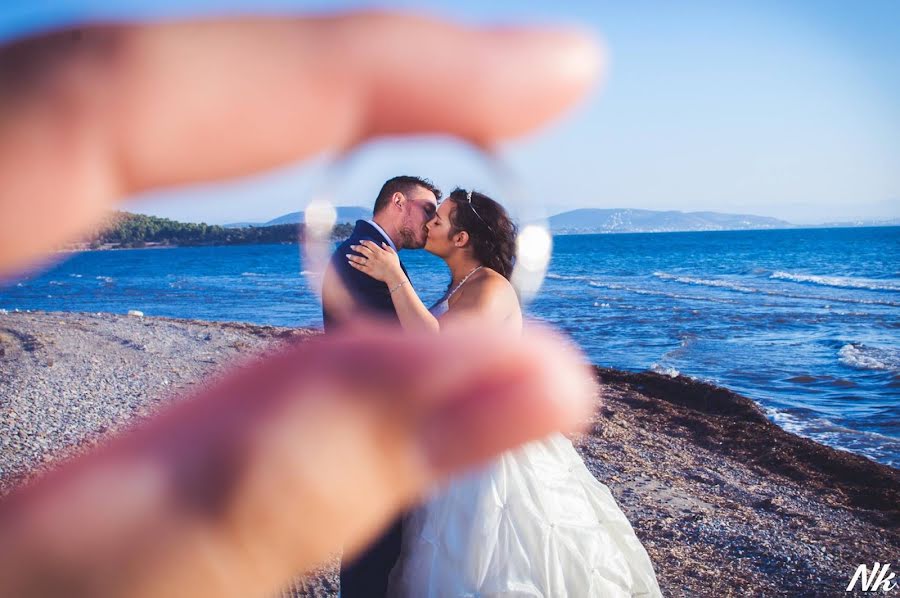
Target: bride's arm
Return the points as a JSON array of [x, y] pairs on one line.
[[382, 263], [412, 312]]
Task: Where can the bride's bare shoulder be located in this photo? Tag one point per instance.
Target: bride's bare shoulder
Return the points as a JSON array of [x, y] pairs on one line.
[[490, 285], [490, 296]]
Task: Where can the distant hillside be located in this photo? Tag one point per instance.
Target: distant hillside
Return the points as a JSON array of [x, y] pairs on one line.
[[345, 214], [858, 223], [591, 220], [126, 230]]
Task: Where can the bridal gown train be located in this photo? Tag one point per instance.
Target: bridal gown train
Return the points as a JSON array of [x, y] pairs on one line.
[[534, 522]]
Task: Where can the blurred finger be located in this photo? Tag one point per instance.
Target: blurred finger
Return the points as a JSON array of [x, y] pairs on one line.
[[266, 473], [90, 118]]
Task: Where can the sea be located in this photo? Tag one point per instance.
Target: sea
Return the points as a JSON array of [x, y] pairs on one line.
[[805, 322]]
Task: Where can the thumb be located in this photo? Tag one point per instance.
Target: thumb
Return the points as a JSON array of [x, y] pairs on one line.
[[271, 470]]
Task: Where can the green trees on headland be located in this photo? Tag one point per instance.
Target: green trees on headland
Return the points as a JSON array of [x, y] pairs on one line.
[[138, 230]]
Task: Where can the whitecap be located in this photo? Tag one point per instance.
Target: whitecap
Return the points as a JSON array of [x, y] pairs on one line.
[[863, 357], [554, 276], [841, 282], [706, 282]]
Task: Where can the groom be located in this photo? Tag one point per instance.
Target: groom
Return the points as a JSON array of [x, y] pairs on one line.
[[403, 207]]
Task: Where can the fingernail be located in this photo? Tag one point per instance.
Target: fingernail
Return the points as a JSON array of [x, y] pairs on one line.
[[574, 55]]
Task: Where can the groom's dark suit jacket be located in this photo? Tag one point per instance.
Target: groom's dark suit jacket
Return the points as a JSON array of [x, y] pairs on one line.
[[370, 295], [367, 575]]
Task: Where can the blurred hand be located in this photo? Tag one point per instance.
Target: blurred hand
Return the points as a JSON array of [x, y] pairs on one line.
[[267, 471]]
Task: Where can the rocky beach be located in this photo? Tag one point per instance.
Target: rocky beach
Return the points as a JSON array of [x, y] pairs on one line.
[[725, 502]]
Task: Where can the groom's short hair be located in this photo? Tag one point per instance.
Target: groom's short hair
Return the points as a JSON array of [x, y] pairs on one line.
[[403, 184]]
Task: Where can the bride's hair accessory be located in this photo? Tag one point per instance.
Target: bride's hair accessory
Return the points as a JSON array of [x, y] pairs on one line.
[[471, 205]]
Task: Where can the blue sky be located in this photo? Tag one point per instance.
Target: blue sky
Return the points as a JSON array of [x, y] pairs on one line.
[[789, 110]]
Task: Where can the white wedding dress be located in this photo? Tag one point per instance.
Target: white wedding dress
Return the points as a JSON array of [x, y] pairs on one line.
[[533, 522]]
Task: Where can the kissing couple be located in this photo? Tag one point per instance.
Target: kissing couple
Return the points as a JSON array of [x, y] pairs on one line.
[[532, 522]]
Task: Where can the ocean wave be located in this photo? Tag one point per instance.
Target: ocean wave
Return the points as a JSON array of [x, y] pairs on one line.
[[823, 380], [706, 282], [620, 287], [251, 274], [106, 279], [869, 358], [873, 445], [719, 283], [841, 282], [554, 276], [731, 286]]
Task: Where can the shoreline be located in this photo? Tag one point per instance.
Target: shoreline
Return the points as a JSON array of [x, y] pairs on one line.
[[724, 500], [564, 232], [663, 373]]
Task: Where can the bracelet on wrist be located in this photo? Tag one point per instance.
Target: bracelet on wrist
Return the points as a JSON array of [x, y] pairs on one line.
[[398, 285]]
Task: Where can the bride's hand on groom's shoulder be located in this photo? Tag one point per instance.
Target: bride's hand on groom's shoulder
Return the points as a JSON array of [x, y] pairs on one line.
[[380, 262]]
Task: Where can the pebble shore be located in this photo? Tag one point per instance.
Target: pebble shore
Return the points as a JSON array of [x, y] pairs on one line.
[[725, 502]]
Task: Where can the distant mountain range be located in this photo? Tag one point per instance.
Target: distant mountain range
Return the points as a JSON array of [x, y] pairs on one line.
[[621, 220], [889, 222], [591, 220]]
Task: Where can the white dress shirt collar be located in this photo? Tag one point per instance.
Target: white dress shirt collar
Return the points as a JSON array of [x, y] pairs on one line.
[[383, 234]]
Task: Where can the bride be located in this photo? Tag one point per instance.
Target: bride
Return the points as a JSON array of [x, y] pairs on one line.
[[533, 522]]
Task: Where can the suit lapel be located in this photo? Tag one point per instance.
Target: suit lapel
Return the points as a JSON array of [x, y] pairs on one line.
[[364, 225]]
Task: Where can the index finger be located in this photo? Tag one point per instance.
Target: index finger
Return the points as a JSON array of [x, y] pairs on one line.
[[93, 118]]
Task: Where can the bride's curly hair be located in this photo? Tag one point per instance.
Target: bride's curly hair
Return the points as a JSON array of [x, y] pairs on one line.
[[492, 233]]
